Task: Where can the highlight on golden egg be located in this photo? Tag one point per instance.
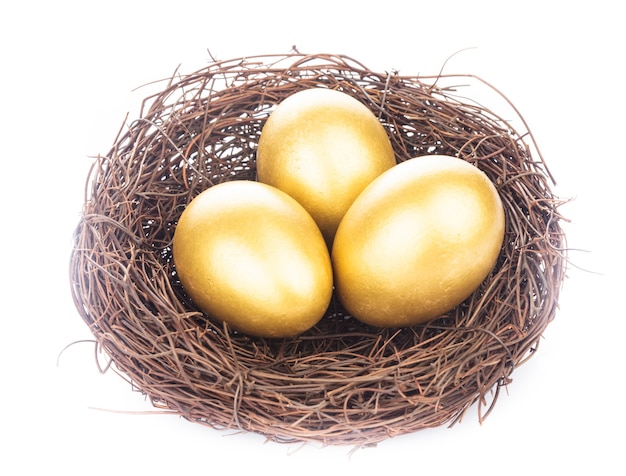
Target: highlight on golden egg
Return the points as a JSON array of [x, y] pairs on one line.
[[322, 147], [250, 255], [417, 241]]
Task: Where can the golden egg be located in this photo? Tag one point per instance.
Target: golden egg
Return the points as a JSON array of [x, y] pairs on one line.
[[323, 147], [249, 255], [417, 241]]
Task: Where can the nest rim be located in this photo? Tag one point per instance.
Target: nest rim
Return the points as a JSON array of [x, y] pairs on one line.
[[342, 382]]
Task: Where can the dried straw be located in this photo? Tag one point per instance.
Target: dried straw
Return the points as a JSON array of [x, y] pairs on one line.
[[342, 382]]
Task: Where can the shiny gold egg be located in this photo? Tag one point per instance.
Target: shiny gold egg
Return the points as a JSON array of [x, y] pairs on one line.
[[248, 254], [323, 147], [417, 241]]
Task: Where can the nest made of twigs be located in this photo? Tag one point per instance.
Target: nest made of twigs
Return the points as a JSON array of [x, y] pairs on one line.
[[342, 382]]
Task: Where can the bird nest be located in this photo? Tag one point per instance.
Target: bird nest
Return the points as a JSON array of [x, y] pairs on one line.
[[342, 382]]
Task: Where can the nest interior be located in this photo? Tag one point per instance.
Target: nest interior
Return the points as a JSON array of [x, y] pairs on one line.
[[342, 382]]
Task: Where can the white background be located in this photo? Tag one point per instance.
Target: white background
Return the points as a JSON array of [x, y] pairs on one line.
[[67, 80]]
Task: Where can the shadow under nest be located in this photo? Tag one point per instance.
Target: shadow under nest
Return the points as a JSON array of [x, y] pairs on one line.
[[342, 382]]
